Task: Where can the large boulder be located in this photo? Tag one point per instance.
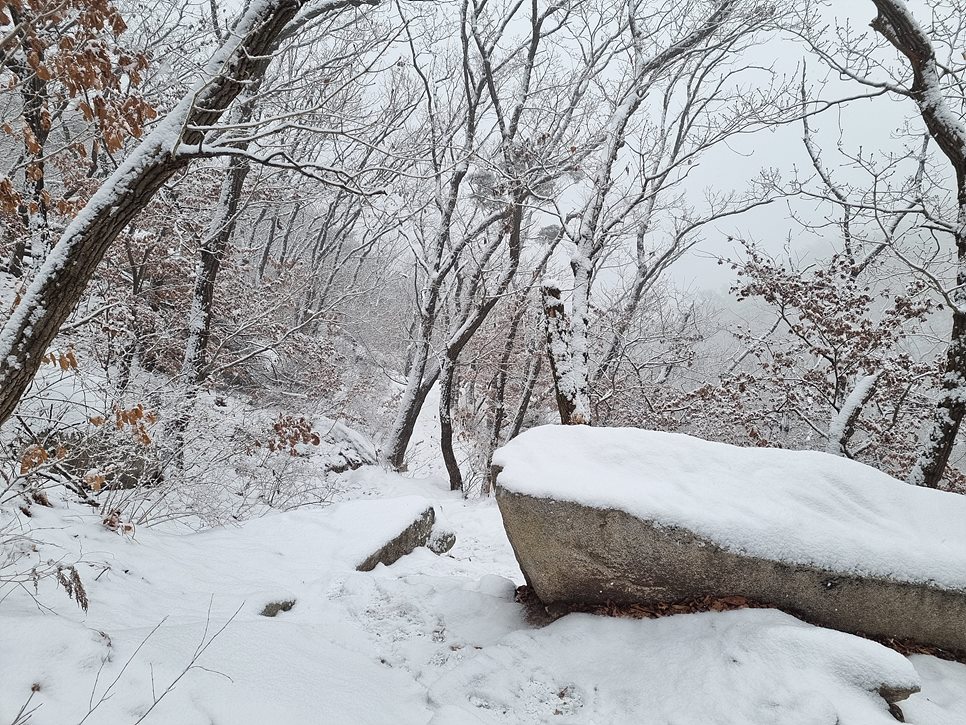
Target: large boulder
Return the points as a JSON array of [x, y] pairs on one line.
[[599, 515]]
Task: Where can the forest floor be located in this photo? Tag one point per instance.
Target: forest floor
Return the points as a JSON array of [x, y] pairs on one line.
[[174, 632]]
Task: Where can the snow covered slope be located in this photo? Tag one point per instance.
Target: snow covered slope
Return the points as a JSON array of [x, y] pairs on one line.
[[427, 640], [157, 600], [699, 668], [797, 507]]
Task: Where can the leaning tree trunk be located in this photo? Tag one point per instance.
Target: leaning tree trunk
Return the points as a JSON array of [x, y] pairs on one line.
[[897, 25], [842, 425], [61, 281], [420, 382], [471, 322], [219, 233]]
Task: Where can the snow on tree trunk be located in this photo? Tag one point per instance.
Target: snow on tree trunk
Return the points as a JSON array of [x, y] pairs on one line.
[[420, 380], [940, 435], [571, 388], [842, 425], [64, 276]]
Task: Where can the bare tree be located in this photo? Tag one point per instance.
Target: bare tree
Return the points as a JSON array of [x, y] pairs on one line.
[[469, 243], [688, 56], [933, 84]]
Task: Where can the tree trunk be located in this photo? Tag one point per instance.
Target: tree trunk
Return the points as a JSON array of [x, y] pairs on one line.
[[472, 319], [446, 401], [417, 388], [497, 386], [534, 362], [569, 384], [897, 25], [212, 254], [33, 212], [842, 426], [267, 251], [64, 276], [213, 248], [938, 443], [533, 371]]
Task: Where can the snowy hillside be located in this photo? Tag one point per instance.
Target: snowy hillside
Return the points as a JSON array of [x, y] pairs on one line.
[[482, 362], [173, 634]]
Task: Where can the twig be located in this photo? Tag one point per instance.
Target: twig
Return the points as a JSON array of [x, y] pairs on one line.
[[200, 650]]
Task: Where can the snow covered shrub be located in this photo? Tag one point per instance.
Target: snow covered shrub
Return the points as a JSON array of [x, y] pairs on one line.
[[841, 372], [24, 563], [280, 463], [114, 455], [292, 435]]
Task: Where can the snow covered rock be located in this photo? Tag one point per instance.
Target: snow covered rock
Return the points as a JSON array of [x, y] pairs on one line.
[[346, 449], [627, 515], [441, 541], [416, 534]]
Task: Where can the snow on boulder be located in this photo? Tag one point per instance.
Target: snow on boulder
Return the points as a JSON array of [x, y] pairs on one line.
[[415, 534], [626, 515], [731, 668]]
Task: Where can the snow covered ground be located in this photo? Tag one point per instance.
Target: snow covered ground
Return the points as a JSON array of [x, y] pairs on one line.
[[174, 634]]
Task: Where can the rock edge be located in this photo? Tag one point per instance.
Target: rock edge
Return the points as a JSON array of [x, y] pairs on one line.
[[573, 554]]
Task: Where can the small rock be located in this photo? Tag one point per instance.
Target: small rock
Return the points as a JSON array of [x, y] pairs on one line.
[[441, 541], [273, 608]]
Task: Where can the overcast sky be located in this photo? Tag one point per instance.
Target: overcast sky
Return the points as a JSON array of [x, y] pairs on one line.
[[869, 124]]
